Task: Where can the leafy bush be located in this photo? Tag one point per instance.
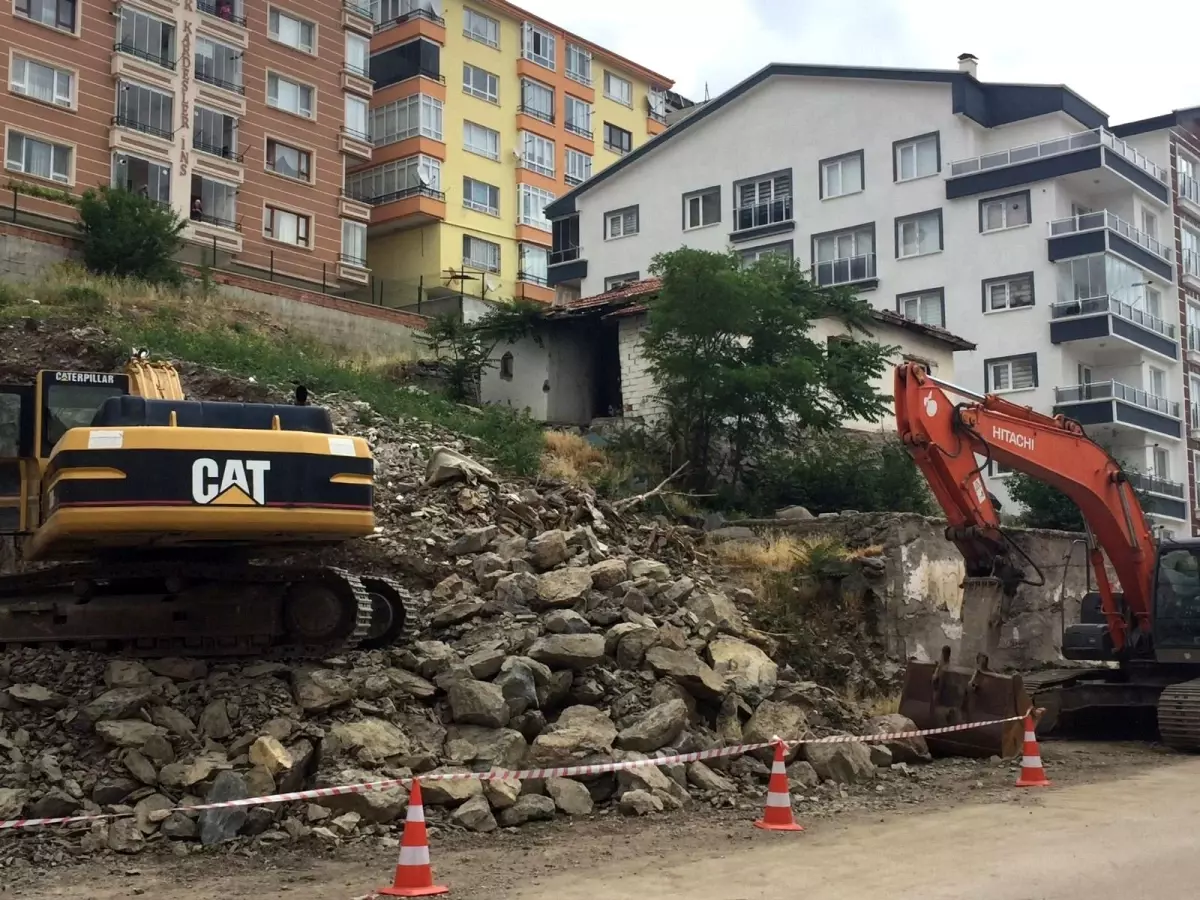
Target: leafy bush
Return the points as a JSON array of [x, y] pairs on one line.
[[841, 470], [1045, 506], [129, 235], [84, 299]]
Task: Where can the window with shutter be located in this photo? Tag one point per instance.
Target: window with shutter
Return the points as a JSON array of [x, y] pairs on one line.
[[621, 223], [1014, 373], [763, 200], [1012, 292], [925, 308]]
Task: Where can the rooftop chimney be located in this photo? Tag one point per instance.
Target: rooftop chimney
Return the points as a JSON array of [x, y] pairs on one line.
[[968, 63]]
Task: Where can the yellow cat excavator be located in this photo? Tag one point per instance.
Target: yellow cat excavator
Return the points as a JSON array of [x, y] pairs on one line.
[[160, 525]]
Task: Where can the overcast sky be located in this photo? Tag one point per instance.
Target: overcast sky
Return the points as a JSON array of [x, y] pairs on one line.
[[1129, 59]]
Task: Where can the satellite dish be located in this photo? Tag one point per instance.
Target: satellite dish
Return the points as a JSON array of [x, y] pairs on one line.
[[421, 178], [491, 283], [516, 153]]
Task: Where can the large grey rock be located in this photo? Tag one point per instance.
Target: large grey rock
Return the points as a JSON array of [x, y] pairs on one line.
[[549, 549], [688, 669], [178, 669], [847, 763], [119, 703], [128, 732], [570, 796], [478, 703], [218, 825], [676, 592], [774, 719], [706, 779], [502, 793], [485, 663], [320, 690], [409, 684], [528, 808], [562, 587], [484, 748], [566, 621], [474, 540], [632, 647], [214, 721], [580, 732], [718, 612], [126, 673], [571, 651], [517, 589], [456, 613], [793, 514], [608, 573], [124, 836], [747, 671], [375, 807], [372, 740], [649, 568], [475, 815], [446, 465], [639, 803], [36, 697], [802, 774], [656, 728], [518, 684], [881, 756], [906, 750], [450, 792], [53, 804]]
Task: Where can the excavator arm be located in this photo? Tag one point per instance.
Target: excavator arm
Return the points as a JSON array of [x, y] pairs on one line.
[[944, 438]]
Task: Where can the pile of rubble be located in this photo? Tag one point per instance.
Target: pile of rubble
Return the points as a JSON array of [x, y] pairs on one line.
[[557, 630]]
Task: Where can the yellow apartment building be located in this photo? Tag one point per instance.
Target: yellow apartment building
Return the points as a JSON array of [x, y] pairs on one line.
[[481, 115]]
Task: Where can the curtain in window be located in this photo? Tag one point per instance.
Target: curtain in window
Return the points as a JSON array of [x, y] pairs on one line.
[[39, 159]]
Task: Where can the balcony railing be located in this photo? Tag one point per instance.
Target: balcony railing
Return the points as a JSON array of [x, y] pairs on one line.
[[1189, 189], [578, 129], [535, 166], [222, 151], [536, 113], [572, 180], [362, 9], [418, 13], [219, 82], [1053, 147], [1191, 263], [530, 278], [847, 270], [1196, 420], [1152, 484], [350, 259], [1193, 342], [356, 69], [167, 61], [132, 123], [579, 77], [1115, 390], [216, 220], [222, 9], [356, 134], [419, 190], [565, 254], [773, 212], [1102, 218], [1094, 305]]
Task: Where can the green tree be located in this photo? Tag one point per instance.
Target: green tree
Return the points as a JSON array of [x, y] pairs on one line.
[[1048, 507], [466, 348], [129, 235], [737, 366]]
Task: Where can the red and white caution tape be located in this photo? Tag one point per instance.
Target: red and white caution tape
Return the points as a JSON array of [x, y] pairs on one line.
[[519, 775]]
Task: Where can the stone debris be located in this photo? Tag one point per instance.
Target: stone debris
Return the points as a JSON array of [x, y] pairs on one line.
[[554, 631]]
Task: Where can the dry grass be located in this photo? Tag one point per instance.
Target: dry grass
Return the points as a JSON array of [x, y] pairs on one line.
[[571, 458], [776, 552]]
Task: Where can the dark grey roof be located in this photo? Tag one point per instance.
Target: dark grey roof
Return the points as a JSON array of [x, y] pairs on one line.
[[989, 104], [1158, 123]]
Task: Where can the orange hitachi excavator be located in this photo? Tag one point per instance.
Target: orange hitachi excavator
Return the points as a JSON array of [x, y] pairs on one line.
[[1145, 637]]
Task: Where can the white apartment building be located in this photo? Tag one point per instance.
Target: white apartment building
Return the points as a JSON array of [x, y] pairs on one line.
[[1011, 215]]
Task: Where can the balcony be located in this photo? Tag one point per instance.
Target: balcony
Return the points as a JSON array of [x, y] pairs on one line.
[[135, 124], [579, 130], [1194, 428], [1193, 347], [235, 87], [1189, 194], [408, 207], [1191, 268], [1100, 232], [357, 143], [223, 152], [1096, 321], [356, 16], [858, 271], [534, 113], [1119, 405], [763, 219], [566, 265], [1160, 496], [162, 60], [1109, 161], [225, 10]]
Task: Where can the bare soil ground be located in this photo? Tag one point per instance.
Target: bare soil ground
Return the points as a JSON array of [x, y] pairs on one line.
[[611, 857]]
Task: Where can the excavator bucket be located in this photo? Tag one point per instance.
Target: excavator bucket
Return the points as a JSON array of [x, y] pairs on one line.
[[940, 694]]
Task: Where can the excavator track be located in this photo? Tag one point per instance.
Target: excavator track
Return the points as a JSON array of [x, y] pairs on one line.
[[1179, 715], [186, 607]]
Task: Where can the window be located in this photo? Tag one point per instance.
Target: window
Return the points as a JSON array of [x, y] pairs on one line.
[[290, 96], [354, 243], [919, 234], [219, 64], [702, 208], [532, 208], [146, 37], [481, 84], [1012, 292], [214, 132], [479, 27], [400, 178], [579, 64], [299, 34], [765, 200], [537, 154], [1149, 224], [535, 264], [1012, 373], [1009, 211], [579, 167], [481, 254], [42, 82], [844, 257], [537, 100], [358, 54], [579, 116], [55, 13], [145, 110], [142, 176], [1162, 464], [615, 281], [925, 307], [656, 100], [292, 162], [618, 88], [418, 114], [842, 175], [218, 202], [621, 223], [617, 139], [1158, 381], [1153, 301], [357, 111], [538, 45], [288, 227], [917, 157], [565, 240], [480, 140], [481, 197], [506, 366], [39, 158], [754, 254]]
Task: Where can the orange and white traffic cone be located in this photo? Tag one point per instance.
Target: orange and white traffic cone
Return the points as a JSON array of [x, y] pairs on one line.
[[1032, 773], [414, 876], [778, 814]]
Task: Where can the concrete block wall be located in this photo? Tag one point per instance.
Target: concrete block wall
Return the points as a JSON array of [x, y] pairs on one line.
[[638, 390]]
